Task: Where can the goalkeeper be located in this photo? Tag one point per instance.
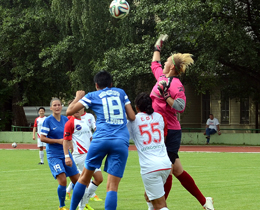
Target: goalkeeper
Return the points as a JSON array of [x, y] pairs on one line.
[[168, 98]]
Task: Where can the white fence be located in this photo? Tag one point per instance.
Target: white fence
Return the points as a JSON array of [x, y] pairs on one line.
[[31, 112]]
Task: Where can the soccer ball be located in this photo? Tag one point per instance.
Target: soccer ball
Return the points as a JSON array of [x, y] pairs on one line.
[[119, 8], [14, 145]]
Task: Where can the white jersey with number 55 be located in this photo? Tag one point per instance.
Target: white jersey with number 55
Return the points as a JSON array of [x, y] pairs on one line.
[[147, 132]]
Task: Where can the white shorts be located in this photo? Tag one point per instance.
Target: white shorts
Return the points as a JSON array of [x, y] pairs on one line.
[[40, 143], [154, 183], [80, 161]]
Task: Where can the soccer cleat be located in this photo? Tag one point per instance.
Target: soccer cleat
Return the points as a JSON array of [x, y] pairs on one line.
[[63, 208], [96, 198], [88, 207], [40, 163], [209, 204], [68, 196]]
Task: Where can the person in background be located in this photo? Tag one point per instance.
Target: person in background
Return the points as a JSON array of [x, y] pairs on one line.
[[168, 96], [37, 126], [148, 131], [90, 120], [212, 127], [111, 138], [52, 134]]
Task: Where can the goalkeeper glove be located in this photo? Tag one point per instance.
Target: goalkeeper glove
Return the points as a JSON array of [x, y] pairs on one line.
[[163, 87], [159, 42]]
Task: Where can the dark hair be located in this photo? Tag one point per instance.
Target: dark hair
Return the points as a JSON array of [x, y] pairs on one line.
[[41, 108], [103, 79], [144, 103]]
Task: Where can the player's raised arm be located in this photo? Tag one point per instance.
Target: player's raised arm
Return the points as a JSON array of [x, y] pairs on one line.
[[75, 105], [158, 47]]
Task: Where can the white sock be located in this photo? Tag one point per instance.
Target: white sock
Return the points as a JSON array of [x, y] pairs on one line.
[[41, 155], [164, 208], [69, 188], [150, 206], [84, 200], [92, 189]]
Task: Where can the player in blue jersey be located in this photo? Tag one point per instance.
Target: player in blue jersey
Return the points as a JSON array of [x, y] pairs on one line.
[[111, 138], [52, 134]]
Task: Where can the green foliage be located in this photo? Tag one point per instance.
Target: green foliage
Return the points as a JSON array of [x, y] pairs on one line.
[[62, 44], [129, 69], [224, 38], [26, 29]]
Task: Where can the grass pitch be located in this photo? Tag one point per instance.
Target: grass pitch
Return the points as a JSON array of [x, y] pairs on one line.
[[232, 179]]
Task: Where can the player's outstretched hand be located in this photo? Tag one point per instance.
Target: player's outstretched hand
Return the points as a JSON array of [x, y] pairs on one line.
[[158, 45]]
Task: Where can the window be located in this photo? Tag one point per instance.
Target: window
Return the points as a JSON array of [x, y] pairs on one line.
[[224, 110], [205, 107], [244, 111]]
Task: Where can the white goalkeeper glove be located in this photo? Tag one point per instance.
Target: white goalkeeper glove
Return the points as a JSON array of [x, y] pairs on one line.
[[159, 42]]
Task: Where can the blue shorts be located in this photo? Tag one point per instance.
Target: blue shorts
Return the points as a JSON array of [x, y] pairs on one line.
[[58, 166], [173, 141], [116, 151]]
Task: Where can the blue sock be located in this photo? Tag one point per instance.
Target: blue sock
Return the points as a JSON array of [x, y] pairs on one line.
[[73, 185], [78, 192], [111, 200], [61, 194]]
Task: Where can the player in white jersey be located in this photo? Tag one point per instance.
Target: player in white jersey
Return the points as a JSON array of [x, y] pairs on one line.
[[148, 131], [37, 126], [78, 131], [91, 121]]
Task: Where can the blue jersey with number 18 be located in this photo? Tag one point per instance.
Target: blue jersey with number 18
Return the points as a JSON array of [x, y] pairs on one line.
[[109, 107]]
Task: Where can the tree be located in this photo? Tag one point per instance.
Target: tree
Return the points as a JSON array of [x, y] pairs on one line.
[[26, 28], [224, 38], [61, 44]]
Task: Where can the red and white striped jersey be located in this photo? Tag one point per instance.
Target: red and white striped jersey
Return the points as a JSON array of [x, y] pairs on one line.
[[78, 131], [147, 132], [38, 123]]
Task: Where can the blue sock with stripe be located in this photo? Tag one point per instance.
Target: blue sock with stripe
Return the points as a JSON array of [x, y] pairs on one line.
[[111, 200], [78, 192], [61, 194]]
